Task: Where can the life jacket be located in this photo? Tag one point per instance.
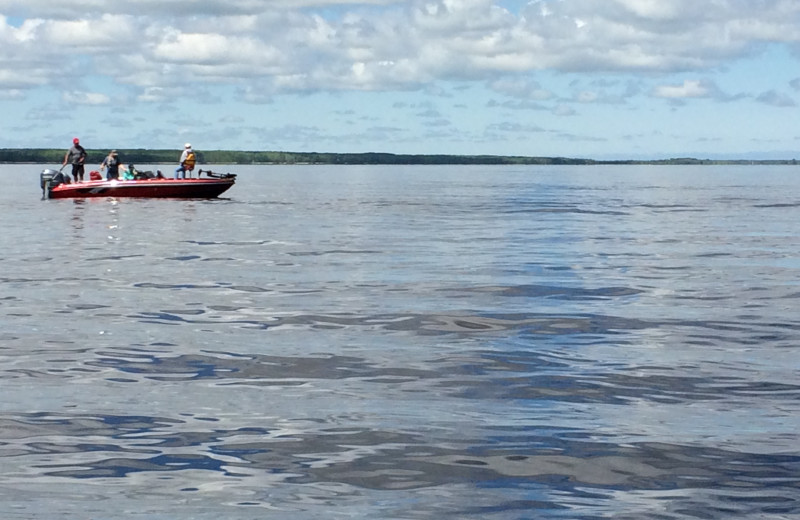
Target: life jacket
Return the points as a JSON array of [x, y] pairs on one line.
[[189, 162]]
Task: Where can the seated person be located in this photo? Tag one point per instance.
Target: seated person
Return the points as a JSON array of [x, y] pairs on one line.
[[129, 174]]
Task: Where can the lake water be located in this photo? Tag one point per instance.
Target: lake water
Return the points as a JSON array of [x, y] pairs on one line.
[[405, 343]]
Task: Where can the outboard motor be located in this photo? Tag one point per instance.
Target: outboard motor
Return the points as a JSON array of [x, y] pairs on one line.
[[50, 179]]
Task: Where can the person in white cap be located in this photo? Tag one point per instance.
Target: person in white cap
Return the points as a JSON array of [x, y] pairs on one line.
[[187, 162]]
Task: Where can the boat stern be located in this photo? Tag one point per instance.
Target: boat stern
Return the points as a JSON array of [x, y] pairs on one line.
[[49, 179]]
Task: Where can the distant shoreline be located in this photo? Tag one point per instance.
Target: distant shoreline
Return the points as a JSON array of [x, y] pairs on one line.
[[147, 156]]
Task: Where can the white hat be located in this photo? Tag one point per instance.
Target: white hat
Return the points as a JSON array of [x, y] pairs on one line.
[[187, 145]]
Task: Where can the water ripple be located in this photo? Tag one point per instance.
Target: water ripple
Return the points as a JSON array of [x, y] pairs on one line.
[[406, 343], [380, 459]]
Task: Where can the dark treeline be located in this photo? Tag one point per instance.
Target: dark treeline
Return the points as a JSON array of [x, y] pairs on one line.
[[141, 156], [144, 157]]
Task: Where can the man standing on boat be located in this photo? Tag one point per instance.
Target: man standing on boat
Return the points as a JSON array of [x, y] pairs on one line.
[[187, 162], [76, 156], [111, 162]]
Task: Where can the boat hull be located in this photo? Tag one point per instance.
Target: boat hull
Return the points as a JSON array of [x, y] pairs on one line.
[[146, 188]]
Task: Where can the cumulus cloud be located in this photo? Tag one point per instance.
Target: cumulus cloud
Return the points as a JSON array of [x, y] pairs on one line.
[[520, 88], [402, 44], [689, 89], [75, 97]]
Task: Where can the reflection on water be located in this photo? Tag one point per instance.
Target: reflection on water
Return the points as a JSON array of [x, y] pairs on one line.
[[412, 343]]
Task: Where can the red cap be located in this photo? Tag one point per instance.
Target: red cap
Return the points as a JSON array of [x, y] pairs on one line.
[[76, 141]]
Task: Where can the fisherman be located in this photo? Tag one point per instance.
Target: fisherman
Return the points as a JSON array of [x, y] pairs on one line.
[[187, 162], [113, 163], [76, 156], [130, 173]]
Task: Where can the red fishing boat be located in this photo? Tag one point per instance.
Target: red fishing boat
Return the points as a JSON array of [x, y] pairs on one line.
[[56, 185]]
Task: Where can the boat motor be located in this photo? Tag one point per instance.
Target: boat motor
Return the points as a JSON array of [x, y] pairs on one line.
[[50, 179]]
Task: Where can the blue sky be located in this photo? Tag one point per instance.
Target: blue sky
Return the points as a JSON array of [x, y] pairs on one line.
[[576, 78]]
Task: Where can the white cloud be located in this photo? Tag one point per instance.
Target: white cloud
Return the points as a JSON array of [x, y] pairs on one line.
[[154, 94], [75, 97], [70, 9], [404, 44], [520, 88], [656, 9], [689, 89], [13, 77], [213, 49]]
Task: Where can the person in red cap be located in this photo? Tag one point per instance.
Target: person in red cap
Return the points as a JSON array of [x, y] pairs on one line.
[[76, 156]]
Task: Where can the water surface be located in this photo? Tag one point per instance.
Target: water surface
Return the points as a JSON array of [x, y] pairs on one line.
[[405, 343]]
